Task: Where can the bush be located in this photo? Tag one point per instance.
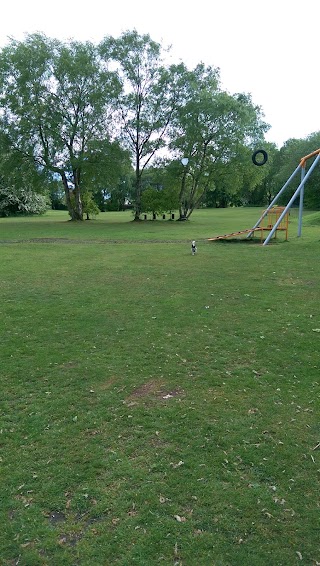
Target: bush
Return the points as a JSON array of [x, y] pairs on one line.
[[21, 201]]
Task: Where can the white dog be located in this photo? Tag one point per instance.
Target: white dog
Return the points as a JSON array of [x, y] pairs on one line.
[[193, 248]]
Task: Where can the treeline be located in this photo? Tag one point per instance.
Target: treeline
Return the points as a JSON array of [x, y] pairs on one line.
[[109, 126]]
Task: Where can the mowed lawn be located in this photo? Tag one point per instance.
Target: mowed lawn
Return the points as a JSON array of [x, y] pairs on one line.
[[159, 408]]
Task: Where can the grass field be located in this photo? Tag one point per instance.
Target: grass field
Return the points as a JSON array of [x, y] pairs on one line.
[[159, 408]]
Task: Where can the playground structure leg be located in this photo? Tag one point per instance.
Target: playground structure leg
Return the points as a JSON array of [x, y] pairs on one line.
[[293, 198], [303, 171]]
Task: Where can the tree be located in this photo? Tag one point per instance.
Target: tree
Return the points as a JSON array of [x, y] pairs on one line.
[[90, 208], [56, 100], [151, 201], [146, 102], [209, 128], [289, 158]]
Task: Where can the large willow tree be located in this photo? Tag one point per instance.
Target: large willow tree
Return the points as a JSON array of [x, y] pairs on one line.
[[55, 101]]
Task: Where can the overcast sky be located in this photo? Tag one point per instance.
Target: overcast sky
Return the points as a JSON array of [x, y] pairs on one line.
[[268, 48]]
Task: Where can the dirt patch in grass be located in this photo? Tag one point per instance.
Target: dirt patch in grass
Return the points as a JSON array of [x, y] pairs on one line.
[[292, 281], [68, 365], [154, 389], [70, 539], [56, 517]]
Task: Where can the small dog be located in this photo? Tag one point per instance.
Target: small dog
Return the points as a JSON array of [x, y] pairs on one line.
[[193, 248]]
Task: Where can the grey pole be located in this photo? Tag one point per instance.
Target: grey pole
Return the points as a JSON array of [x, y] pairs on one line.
[[303, 171], [293, 198]]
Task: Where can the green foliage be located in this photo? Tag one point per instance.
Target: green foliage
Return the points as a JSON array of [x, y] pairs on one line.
[[170, 199], [105, 165], [24, 186], [289, 158], [211, 128], [64, 113], [56, 195], [151, 201], [156, 201], [258, 184], [18, 171], [160, 193], [21, 201], [118, 197], [145, 104], [56, 100], [90, 207]]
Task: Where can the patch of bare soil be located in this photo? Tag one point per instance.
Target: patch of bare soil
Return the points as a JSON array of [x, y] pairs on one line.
[[154, 389], [56, 517]]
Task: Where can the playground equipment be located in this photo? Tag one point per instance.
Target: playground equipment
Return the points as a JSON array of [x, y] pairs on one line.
[[259, 161], [299, 191], [268, 220], [279, 221]]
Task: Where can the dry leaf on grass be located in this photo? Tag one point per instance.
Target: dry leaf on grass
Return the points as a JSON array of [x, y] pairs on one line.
[[180, 519], [177, 465]]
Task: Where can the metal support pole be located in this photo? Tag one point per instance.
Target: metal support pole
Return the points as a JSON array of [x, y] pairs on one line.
[[275, 199], [293, 198], [303, 171]]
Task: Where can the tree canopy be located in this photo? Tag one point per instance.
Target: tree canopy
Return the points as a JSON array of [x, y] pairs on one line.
[[108, 119], [210, 129], [147, 100], [56, 99]]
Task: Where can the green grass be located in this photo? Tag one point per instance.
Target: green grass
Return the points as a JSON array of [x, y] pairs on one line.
[[158, 408], [119, 226]]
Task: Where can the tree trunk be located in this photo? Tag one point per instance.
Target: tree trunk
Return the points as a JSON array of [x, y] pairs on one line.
[[73, 200], [137, 211], [182, 204], [78, 204]]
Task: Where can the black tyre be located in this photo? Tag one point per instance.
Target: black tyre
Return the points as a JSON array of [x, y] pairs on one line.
[[259, 161]]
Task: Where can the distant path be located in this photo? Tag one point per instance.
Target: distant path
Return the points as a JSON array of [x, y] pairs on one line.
[[75, 241]]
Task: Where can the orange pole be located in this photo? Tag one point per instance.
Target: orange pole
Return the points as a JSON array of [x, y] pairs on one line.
[[304, 159]]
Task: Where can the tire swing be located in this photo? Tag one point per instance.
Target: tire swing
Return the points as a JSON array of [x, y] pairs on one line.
[[260, 162]]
